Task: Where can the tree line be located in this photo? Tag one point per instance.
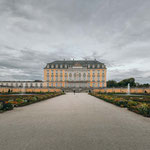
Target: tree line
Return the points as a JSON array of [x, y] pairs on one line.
[[124, 83]]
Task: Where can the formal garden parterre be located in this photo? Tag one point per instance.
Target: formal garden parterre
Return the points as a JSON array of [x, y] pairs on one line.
[[137, 103], [9, 101]]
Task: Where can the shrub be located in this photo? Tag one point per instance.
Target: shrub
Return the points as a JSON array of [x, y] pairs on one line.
[[1, 105], [122, 103], [131, 104], [8, 106], [19, 100], [144, 109]]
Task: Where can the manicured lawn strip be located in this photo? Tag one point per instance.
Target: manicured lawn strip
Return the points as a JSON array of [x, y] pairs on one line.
[[142, 108], [8, 102]]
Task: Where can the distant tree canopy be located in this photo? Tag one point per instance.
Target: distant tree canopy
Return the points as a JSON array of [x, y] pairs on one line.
[[112, 83], [124, 83]]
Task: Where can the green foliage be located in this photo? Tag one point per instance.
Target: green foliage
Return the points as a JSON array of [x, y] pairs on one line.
[[19, 100], [123, 83], [135, 106], [121, 103], [8, 106], [131, 103], [1, 105], [112, 83], [144, 109]]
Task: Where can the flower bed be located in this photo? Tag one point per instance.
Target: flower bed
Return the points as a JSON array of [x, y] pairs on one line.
[[8, 102], [140, 107]]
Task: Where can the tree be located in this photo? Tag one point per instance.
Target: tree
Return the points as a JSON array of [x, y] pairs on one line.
[[125, 82], [112, 83]]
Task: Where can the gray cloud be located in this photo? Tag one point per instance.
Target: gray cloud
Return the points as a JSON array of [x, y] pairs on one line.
[[34, 32]]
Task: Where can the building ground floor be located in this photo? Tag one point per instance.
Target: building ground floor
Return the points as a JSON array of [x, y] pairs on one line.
[[53, 84], [77, 89]]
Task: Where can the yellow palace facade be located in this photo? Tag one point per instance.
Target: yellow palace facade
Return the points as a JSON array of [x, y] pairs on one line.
[[75, 74]]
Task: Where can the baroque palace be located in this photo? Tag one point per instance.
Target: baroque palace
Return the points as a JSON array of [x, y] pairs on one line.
[[75, 74], [67, 74]]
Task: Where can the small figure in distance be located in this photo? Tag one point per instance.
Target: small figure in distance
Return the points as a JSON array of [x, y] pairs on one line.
[[74, 92]]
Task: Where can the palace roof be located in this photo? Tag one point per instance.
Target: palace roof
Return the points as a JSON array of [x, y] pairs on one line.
[[70, 63]]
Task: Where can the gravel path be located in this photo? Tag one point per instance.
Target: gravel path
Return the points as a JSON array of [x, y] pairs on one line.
[[73, 122]]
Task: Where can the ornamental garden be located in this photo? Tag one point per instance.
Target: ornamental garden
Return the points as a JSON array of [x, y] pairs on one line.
[[139, 104], [9, 101]]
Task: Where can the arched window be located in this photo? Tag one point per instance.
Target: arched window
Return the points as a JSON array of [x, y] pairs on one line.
[[70, 75], [80, 75], [84, 75]]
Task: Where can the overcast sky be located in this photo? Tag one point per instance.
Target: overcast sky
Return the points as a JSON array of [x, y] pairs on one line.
[[35, 32]]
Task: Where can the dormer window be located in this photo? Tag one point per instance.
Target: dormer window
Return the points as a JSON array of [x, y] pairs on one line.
[[98, 66], [93, 66], [52, 66], [61, 66], [47, 66], [88, 65], [65, 66], [56, 66]]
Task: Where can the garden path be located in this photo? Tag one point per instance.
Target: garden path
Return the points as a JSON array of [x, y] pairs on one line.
[[73, 122]]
